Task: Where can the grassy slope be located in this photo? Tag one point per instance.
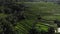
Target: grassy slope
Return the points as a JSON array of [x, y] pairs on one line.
[[46, 10], [36, 8]]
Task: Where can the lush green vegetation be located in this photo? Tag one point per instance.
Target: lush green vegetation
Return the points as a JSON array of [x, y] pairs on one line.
[[23, 16]]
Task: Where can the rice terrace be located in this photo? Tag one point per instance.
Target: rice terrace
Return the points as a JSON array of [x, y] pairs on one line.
[[29, 17]]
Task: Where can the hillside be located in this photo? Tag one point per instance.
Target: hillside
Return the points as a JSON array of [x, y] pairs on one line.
[[20, 18]]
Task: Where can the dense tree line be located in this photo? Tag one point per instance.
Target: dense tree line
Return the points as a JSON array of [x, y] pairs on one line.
[[14, 15]]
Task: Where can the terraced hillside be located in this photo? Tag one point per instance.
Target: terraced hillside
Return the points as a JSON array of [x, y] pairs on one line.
[[20, 18]]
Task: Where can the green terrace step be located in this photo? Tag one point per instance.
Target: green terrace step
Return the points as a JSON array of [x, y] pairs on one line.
[[21, 28]]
